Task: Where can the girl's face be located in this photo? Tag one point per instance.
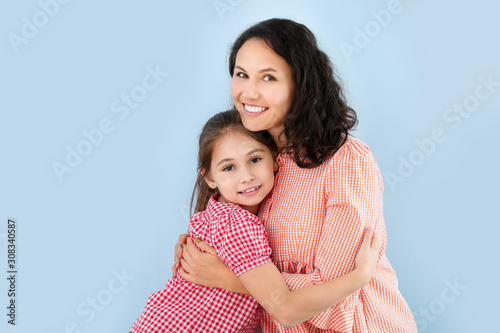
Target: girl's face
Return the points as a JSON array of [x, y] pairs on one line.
[[242, 169], [262, 88]]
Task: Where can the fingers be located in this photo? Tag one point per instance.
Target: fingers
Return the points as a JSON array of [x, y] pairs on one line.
[[182, 238], [189, 248], [178, 247], [367, 238], [205, 247], [178, 253], [185, 275], [375, 244], [369, 233], [174, 269]]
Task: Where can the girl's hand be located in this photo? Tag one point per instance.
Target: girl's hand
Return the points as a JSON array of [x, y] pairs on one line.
[[178, 253], [367, 257], [206, 268]]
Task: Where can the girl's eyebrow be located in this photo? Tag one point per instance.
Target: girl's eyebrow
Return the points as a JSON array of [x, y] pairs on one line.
[[224, 160], [253, 151], [268, 69]]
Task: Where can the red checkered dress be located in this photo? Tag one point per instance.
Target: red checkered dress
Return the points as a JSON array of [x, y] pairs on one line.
[[240, 241]]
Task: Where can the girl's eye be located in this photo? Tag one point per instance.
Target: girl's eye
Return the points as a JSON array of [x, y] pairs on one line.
[[255, 159], [241, 75], [268, 78], [228, 168]]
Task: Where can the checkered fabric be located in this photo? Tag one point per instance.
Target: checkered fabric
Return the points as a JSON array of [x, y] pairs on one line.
[[240, 241], [315, 221]]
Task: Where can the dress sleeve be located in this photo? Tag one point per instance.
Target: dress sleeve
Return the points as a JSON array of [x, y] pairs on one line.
[[354, 190], [245, 244]]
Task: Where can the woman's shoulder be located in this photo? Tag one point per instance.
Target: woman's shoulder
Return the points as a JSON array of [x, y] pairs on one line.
[[352, 150], [353, 153], [354, 161], [353, 147]]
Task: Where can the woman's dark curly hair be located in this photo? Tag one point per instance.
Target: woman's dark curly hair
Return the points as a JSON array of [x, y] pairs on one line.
[[320, 119]]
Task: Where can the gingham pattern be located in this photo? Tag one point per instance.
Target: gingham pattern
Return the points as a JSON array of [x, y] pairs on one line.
[[240, 241], [315, 220]]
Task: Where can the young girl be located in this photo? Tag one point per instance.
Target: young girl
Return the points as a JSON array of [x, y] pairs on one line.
[[236, 172]]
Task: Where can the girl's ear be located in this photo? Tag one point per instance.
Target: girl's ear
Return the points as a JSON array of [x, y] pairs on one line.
[[276, 166], [208, 179]]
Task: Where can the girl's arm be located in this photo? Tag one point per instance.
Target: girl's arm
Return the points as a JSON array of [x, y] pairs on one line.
[[265, 283]]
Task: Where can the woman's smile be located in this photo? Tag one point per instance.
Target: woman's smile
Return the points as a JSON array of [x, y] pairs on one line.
[[262, 87], [253, 109]]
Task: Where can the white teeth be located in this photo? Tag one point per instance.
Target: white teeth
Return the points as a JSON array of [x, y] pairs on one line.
[[255, 108], [250, 190]]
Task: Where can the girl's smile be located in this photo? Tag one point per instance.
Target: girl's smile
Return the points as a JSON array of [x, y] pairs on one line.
[[250, 191], [242, 170]]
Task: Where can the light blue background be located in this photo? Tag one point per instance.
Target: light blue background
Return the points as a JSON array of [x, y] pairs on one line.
[[121, 210]]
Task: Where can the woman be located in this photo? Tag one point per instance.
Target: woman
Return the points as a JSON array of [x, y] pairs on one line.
[[328, 188]]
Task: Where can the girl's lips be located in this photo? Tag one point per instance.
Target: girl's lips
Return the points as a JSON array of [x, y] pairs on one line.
[[250, 191]]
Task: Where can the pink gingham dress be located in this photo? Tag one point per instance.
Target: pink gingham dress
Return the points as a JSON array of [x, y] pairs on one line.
[[240, 241]]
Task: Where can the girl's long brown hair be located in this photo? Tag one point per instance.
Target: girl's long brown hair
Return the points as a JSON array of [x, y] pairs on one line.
[[214, 130]]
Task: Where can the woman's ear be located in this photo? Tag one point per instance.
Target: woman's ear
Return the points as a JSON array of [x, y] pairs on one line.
[[276, 166], [208, 179]]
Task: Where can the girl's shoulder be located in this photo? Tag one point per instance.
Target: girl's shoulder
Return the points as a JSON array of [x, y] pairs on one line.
[[243, 216]]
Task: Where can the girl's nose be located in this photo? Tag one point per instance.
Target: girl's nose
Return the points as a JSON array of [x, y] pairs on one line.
[[246, 175]]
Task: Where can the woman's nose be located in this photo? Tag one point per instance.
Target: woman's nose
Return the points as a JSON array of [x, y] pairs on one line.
[[250, 90]]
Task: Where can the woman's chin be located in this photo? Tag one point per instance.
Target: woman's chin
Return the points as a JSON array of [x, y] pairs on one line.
[[252, 125]]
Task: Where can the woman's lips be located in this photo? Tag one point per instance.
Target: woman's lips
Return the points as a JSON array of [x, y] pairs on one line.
[[254, 109]]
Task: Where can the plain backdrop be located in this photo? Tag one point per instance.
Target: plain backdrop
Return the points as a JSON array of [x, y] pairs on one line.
[[102, 102]]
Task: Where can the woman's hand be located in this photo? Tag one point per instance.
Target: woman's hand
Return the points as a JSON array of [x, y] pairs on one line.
[[367, 257], [206, 268], [178, 253]]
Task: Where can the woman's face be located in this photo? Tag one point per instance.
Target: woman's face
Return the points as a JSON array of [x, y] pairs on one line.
[[262, 88]]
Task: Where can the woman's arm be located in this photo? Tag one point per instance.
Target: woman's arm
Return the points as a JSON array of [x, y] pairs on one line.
[[265, 283], [206, 268], [353, 191], [290, 308]]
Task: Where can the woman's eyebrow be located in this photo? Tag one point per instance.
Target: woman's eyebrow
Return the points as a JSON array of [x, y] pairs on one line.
[[268, 69]]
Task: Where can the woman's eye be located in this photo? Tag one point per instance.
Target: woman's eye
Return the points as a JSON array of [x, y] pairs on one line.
[[228, 168], [255, 159], [241, 75], [268, 78]]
